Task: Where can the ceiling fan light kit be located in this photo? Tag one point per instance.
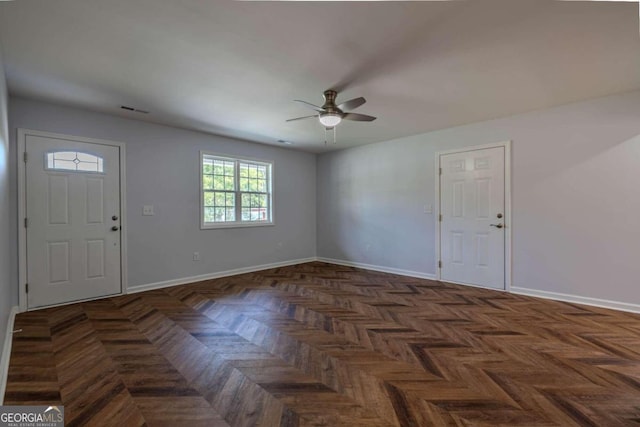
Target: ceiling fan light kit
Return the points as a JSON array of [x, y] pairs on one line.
[[330, 120]]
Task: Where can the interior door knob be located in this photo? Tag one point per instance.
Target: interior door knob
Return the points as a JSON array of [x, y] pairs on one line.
[[496, 225], [115, 228], [115, 217]]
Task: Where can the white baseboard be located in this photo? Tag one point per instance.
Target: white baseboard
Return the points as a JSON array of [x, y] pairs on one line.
[[596, 302], [378, 268], [217, 275], [615, 305], [6, 352]]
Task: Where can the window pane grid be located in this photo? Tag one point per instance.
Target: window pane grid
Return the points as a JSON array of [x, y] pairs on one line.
[[254, 207], [235, 191], [218, 174], [219, 206]]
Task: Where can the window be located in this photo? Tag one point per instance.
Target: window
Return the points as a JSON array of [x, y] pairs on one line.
[[74, 161], [235, 192]]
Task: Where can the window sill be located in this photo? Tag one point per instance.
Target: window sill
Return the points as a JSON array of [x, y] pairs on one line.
[[236, 225]]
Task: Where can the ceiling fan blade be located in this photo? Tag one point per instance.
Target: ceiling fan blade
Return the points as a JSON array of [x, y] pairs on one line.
[[310, 105], [358, 117], [300, 118], [352, 104]]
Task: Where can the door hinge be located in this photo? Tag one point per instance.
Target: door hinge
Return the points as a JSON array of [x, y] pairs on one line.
[[439, 264], [24, 157], [26, 287], [26, 222], [440, 217], [439, 172]]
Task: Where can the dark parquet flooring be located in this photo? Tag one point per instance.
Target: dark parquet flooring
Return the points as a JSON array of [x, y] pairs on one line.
[[324, 345]]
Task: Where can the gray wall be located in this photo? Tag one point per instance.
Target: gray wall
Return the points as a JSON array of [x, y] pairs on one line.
[[575, 198], [574, 182], [163, 170], [6, 285]]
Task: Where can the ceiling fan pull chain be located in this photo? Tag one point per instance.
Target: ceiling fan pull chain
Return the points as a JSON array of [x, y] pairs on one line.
[[334, 134], [325, 136]]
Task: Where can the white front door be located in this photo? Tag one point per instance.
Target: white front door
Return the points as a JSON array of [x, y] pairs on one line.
[[472, 205], [73, 220]]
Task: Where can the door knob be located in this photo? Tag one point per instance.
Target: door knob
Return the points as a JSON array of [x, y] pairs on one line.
[[115, 217], [496, 225], [115, 228]]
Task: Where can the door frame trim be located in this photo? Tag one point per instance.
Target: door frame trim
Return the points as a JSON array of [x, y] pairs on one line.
[[507, 206], [22, 208]]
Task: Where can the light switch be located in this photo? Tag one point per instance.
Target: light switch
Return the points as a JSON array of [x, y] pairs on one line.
[[147, 210], [428, 209]]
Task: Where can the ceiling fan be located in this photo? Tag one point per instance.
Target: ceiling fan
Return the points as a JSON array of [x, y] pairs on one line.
[[330, 114]]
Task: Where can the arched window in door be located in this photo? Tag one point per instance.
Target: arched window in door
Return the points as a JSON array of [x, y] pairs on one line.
[[74, 161]]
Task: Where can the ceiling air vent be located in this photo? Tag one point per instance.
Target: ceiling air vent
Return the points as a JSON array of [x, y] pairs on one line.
[[124, 107]]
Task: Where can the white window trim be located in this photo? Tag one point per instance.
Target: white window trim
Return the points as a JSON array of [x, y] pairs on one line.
[[237, 224]]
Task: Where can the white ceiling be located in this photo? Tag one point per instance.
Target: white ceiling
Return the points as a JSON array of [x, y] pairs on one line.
[[233, 68]]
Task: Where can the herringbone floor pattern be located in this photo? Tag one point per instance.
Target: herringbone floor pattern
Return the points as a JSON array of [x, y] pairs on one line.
[[323, 345]]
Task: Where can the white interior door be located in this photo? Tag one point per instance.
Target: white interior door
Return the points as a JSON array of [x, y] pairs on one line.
[[73, 220], [472, 205]]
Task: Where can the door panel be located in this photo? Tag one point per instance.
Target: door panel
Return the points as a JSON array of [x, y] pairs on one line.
[[58, 197], [95, 259], [95, 201], [482, 249], [72, 192], [472, 195], [58, 262], [483, 198]]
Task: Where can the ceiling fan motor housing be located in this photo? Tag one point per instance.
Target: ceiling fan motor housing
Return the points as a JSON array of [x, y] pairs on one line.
[[330, 103]]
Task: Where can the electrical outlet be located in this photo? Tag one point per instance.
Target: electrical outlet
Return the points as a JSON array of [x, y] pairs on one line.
[[196, 256], [147, 210]]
